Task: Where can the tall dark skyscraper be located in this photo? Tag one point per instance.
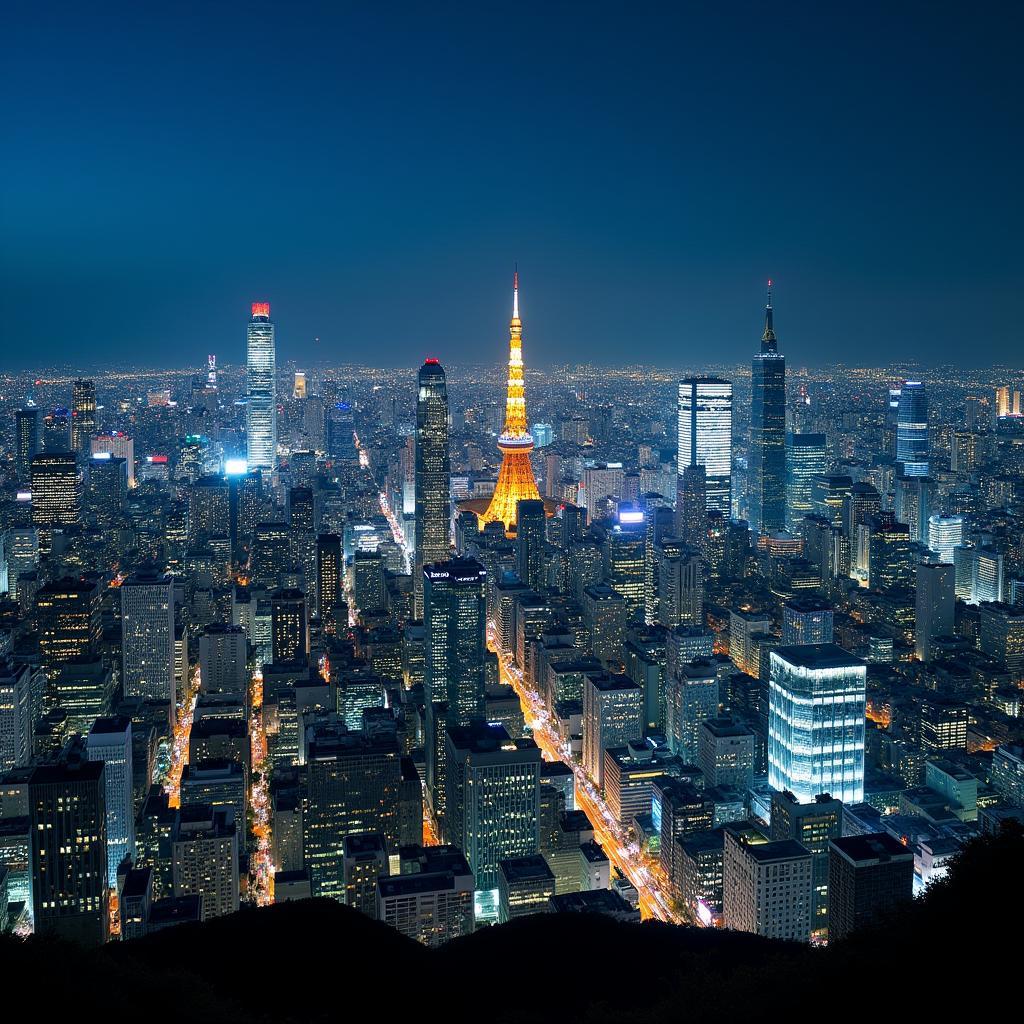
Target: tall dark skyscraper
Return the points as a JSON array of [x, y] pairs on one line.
[[530, 536], [83, 415], [26, 442], [289, 628], [433, 475], [68, 831], [767, 463], [454, 619], [328, 574]]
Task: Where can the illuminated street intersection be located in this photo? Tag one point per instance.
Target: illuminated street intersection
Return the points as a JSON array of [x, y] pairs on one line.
[[622, 851]]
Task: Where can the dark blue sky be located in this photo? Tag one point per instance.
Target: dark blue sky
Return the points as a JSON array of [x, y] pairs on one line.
[[375, 173]]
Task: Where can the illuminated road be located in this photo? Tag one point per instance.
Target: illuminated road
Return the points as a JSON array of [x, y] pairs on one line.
[[261, 863], [396, 531], [179, 740], [622, 852]]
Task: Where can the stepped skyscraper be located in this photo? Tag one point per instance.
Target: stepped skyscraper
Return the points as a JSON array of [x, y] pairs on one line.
[[767, 462]]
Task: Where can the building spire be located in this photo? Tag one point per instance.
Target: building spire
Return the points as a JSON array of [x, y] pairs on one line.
[[768, 340], [515, 293]]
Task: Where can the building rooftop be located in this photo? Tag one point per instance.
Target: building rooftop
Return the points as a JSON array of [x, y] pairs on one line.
[[818, 656], [878, 847], [528, 868]]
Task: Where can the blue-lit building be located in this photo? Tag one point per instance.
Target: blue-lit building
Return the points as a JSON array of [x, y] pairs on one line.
[[912, 429], [705, 437], [766, 474], [806, 458], [817, 704], [261, 390], [543, 434]]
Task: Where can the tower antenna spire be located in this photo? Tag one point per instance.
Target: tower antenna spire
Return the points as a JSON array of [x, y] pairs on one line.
[[515, 293], [768, 341]]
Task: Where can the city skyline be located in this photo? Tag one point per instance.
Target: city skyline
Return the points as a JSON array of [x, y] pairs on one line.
[[676, 635]]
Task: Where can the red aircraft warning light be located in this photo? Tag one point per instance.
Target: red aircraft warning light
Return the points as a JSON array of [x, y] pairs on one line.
[[261, 309]]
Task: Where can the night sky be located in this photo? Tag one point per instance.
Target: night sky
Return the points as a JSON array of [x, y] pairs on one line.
[[375, 173]]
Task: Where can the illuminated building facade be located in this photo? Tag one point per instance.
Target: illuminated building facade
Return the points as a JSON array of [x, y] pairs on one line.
[[493, 793], [68, 831], [515, 478], [433, 511], [26, 441], [261, 381], [806, 458], [705, 437], [944, 534], [766, 478], [816, 722], [110, 741], [147, 636], [454, 621], [83, 414], [115, 445], [56, 498], [912, 429]]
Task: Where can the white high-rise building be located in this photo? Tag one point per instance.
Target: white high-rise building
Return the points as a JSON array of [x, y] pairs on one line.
[[110, 741], [15, 715], [817, 704], [987, 576], [261, 390], [705, 436], [944, 534], [147, 636]]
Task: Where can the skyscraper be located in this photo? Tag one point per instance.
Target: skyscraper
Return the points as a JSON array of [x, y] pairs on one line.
[[83, 415], [328, 574], [944, 534], [26, 441], [110, 741], [433, 475], [691, 516], [261, 380], [454, 619], [515, 478], [766, 478], [56, 498], [68, 831], [806, 458], [493, 802], [705, 437], [912, 429], [530, 539], [147, 636], [936, 605], [816, 722], [289, 627]]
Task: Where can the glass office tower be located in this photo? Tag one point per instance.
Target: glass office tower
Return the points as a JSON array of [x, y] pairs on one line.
[[806, 458], [912, 429], [816, 722], [705, 437], [261, 375], [433, 475]]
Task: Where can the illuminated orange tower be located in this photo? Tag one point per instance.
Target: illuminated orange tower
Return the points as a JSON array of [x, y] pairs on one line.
[[515, 480]]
